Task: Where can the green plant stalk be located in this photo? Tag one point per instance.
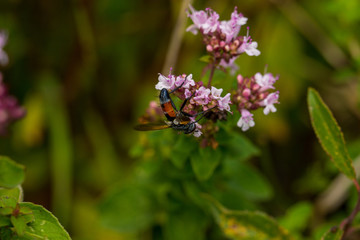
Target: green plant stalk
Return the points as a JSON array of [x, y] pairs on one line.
[[211, 74], [60, 148], [346, 223]]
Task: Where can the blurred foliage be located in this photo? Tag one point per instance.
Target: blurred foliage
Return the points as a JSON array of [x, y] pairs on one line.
[[85, 71]]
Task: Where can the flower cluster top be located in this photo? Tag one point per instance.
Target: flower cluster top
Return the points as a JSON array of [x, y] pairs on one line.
[[222, 38]]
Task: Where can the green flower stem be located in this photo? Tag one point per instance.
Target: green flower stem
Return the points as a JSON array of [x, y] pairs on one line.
[[211, 75], [346, 223]]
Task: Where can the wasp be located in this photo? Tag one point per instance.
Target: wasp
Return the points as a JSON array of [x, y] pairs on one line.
[[176, 119]]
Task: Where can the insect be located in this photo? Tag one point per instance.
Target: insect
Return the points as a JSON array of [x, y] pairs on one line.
[[178, 120]]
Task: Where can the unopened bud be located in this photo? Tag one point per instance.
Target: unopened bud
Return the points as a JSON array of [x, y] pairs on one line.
[[222, 43], [227, 48], [209, 48], [246, 92], [255, 87], [240, 79], [236, 43], [262, 96]]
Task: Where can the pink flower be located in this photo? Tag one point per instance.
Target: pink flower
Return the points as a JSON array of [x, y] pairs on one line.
[[228, 28], [197, 132], [216, 92], [211, 23], [199, 18], [187, 93], [4, 59], [251, 49], [9, 108], [239, 19], [231, 64], [202, 96], [165, 82], [266, 81], [246, 120], [224, 102], [232, 27], [269, 102]]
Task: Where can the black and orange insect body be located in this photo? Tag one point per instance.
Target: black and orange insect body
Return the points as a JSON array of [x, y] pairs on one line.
[[178, 120], [167, 105]]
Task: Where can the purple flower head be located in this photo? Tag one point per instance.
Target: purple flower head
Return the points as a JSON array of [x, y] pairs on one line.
[[238, 18], [216, 93], [266, 81], [231, 65], [211, 23], [246, 120], [202, 96], [4, 59], [165, 82], [253, 93], [269, 102], [221, 38], [185, 81], [199, 98], [199, 18], [251, 49], [224, 103], [9, 108]]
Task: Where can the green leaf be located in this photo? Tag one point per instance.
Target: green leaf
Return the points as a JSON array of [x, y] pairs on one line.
[[204, 162], [182, 150], [15, 193], [247, 225], [128, 209], [186, 224], [6, 201], [4, 221], [11, 173], [333, 234], [44, 224], [246, 180], [236, 146], [19, 225], [6, 211], [205, 58], [297, 217], [6, 233], [329, 134]]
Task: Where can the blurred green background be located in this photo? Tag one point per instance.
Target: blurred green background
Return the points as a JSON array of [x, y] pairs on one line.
[[85, 71]]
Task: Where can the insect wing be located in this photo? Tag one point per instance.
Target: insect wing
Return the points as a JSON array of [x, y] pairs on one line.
[[151, 126]]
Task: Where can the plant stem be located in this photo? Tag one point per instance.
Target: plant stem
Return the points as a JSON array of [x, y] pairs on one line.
[[211, 75], [345, 224]]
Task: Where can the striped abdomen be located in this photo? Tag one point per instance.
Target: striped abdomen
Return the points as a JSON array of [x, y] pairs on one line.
[[167, 105]]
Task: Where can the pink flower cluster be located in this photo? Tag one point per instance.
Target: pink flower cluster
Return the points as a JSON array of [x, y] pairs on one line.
[[253, 93], [200, 97], [222, 38], [9, 108]]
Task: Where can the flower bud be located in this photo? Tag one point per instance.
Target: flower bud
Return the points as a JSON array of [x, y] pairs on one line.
[[255, 87], [240, 79], [246, 92]]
